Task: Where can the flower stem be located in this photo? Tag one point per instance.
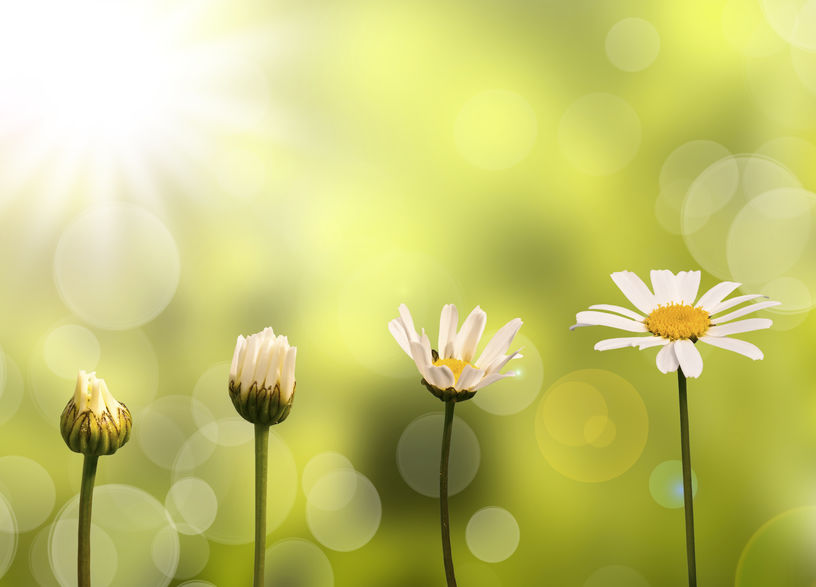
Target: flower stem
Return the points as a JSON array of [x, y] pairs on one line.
[[443, 493], [84, 535], [687, 489], [261, 453]]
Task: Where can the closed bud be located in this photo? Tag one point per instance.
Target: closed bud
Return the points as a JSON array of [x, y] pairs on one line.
[[94, 423], [262, 377]]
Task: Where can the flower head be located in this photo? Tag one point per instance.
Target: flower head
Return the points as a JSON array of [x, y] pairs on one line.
[[674, 321], [93, 422], [262, 377], [450, 372]]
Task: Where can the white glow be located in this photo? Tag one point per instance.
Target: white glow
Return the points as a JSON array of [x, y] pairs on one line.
[[89, 70], [100, 98]]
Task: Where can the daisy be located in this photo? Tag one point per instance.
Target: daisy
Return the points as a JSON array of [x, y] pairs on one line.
[[451, 374], [262, 388], [670, 318], [450, 370]]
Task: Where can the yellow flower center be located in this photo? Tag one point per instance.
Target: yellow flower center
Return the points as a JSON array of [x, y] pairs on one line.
[[454, 365], [678, 321]]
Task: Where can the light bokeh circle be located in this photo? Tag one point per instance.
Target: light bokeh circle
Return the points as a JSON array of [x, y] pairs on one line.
[[512, 395], [116, 266], [591, 425], [632, 44], [492, 534], [297, 562], [197, 584], [717, 195], [165, 426], [781, 551], [29, 490], [793, 20], [194, 554], [132, 536], [616, 576], [495, 129], [38, 559], [223, 454], [666, 484], [71, 347], [349, 520], [418, 451], [320, 465], [599, 134], [770, 234], [8, 535], [679, 170], [192, 505], [63, 561], [745, 27]]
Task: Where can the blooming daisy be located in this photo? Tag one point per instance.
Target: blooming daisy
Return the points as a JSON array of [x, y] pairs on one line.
[[670, 318], [450, 370]]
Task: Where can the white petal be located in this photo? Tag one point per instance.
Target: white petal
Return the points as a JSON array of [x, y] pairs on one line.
[[250, 360], [642, 342], [603, 319], [265, 352], [500, 362], [441, 377], [397, 330], [666, 359], [469, 335], [746, 310], [470, 376], [722, 306], [421, 359], [664, 285], [273, 371], [499, 344], [715, 295], [448, 322], [287, 380], [240, 346], [492, 378], [635, 290], [690, 360], [732, 344], [410, 330], [740, 326], [688, 283], [618, 310]]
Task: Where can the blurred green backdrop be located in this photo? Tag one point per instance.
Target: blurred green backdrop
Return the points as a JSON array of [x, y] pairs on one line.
[[173, 174]]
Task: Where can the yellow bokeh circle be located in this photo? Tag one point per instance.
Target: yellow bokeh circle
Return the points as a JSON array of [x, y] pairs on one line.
[[591, 425]]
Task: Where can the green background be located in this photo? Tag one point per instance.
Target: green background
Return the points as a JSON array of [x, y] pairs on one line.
[[327, 161]]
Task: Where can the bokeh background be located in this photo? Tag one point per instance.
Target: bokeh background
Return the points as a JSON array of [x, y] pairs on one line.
[[173, 174]]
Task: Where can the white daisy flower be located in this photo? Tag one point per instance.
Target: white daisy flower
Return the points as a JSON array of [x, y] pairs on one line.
[[450, 372], [262, 377], [674, 321]]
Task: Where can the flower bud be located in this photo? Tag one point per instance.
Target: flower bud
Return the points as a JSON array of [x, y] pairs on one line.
[[94, 423], [262, 377]]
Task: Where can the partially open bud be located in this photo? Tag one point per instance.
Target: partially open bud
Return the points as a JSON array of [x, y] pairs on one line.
[[94, 423], [262, 377]]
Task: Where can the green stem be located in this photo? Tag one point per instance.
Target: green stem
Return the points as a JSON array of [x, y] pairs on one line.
[[443, 493], [687, 489], [261, 452], [84, 536]]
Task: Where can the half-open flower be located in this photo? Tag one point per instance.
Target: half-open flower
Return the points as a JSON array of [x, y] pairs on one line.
[[450, 372], [670, 318], [93, 422], [262, 377]]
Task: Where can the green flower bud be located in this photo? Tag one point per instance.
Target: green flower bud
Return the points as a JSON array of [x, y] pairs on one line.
[[93, 422], [262, 377]]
